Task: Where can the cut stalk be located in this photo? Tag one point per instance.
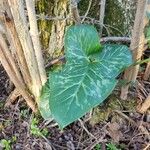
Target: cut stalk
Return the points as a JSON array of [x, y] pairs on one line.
[[35, 39], [137, 45], [19, 17], [15, 43], [9, 67]]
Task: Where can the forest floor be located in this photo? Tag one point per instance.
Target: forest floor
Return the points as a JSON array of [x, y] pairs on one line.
[[115, 125]]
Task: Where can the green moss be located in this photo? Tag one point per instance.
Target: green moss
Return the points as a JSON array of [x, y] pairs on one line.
[[43, 8], [99, 115], [103, 112]]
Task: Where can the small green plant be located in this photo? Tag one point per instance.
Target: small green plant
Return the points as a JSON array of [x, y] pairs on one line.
[[111, 146], [88, 77], [24, 113], [97, 147], [5, 144], [35, 130]]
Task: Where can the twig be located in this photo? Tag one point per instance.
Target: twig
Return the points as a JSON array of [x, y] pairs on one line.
[[89, 6], [86, 130], [12, 97], [55, 61], [75, 12], [102, 15], [91, 146], [147, 147], [116, 39], [143, 130]]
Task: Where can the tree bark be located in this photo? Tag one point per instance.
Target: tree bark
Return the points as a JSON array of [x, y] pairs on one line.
[[52, 31]]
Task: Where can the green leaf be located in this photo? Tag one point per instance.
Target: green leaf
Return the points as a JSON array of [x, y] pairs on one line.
[[148, 14], [80, 87], [147, 35], [80, 42], [44, 102], [76, 90], [88, 76]]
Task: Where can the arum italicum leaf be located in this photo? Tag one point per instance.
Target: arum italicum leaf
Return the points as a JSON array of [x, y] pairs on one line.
[[88, 76]]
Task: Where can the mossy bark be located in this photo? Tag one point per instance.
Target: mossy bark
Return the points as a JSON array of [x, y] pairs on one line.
[[52, 31]]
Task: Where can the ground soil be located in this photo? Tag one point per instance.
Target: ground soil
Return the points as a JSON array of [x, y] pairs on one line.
[[121, 126]]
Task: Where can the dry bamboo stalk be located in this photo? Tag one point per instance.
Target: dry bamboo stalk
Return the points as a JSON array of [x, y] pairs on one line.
[[137, 51], [145, 106], [10, 59], [35, 39], [15, 43], [147, 72], [102, 14], [20, 21], [12, 74]]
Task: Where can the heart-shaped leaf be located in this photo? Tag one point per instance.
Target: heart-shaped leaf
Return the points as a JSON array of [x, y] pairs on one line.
[[88, 76]]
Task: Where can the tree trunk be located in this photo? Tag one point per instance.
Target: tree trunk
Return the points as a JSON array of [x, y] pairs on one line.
[[52, 30]]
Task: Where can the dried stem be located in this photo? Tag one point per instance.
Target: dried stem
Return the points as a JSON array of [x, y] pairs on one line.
[[10, 59], [116, 39], [15, 44], [9, 67], [147, 72], [145, 106], [35, 39], [21, 25], [89, 6]]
